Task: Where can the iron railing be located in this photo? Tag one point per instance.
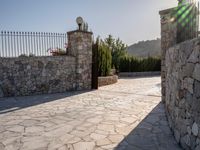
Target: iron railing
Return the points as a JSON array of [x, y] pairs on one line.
[[187, 18], [14, 44]]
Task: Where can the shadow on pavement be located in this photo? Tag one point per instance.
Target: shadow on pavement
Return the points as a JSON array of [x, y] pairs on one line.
[[10, 104], [152, 133]]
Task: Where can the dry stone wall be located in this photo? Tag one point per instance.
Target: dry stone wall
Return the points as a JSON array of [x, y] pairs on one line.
[[182, 89], [102, 81], [38, 75], [80, 46], [168, 39]]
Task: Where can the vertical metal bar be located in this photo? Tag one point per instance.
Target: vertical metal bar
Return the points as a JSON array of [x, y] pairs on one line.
[[11, 44], [19, 50], [21, 38], [57, 40], [44, 46], [43, 43], [54, 40], [8, 38], [34, 47], [5, 44], [36, 44], [50, 40], [31, 43], [61, 35], [2, 54], [28, 41], [25, 43], [14, 46], [47, 44], [38, 40], [65, 38]]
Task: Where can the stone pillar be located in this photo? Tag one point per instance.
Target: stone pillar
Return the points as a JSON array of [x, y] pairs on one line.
[[80, 46], [168, 39]]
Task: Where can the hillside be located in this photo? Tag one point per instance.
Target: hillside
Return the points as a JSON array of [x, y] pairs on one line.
[[145, 48]]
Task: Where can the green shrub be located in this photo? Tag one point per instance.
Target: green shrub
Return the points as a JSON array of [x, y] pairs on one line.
[[133, 64], [105, 59]]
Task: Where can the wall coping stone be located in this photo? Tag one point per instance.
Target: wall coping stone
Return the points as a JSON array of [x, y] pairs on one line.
[[107, 80], [80, 31], [139, 74]]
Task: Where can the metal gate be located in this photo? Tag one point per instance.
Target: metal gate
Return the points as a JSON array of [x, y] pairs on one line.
[[95, 66]]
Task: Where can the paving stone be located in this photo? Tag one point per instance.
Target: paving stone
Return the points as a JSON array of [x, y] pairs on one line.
[[74, 140], [96, 136], [65, 138], [34, 129], [111, 146], [16, 128], [106, 127], [94, 120], [116, 138], [29, 122], [59, 131], [102, 142], [128, 119], [33, 145], [119, 116], [2, 146], [55, 144], [84, 146], [10, 140]]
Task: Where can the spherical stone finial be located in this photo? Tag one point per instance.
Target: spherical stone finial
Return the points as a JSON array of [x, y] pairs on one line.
[[79, 21]]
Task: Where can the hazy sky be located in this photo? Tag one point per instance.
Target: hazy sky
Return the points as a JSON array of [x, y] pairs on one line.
[[131, 20]]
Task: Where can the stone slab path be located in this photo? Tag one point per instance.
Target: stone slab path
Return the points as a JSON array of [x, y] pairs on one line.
[[124, 116]]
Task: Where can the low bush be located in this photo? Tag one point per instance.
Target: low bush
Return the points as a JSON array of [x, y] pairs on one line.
[[133, 64]]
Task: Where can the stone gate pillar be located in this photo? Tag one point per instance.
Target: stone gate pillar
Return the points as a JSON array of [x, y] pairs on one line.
[[80, 46], [168, 39]]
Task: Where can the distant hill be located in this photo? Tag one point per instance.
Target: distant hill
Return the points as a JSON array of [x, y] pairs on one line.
[[145, 48]]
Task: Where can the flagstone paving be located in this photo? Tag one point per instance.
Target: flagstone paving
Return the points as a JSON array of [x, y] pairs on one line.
[[125, 116]]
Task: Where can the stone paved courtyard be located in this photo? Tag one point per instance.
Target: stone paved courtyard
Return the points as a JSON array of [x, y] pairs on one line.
[[124, 116]]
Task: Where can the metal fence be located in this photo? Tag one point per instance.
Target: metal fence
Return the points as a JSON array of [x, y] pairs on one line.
[[14, 44], [187, 18]]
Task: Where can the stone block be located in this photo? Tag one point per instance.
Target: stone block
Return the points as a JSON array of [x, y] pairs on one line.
[[197, 89], [195, 129], [196, 73], [194, 55], [177, 135], [1, 93]]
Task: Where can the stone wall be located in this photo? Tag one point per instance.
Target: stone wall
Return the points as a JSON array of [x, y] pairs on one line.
[[36, 75], [183, 92], [168, 39], [80, 46], [102, 81]]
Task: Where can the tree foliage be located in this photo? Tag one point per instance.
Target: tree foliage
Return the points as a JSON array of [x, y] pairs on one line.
[[104, 58], [118, 50]]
